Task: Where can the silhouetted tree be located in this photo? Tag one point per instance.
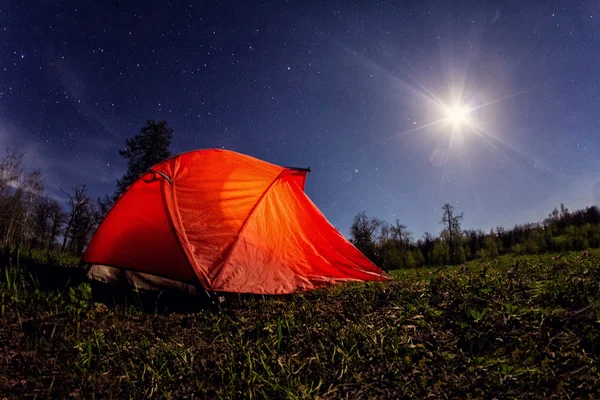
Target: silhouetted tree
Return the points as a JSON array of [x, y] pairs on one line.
[[103, 204], [57, 219], [144, 150], [363, 233], [78, 202], [385, 232], [10, 170], [427, 247], [401, 234], [42, 215], [452, 227], [83, 226], [33, 189], [402, 238], [592, 215], [18, 205]]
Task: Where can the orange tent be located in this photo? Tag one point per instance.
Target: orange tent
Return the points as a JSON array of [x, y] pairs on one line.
[[228, 221]]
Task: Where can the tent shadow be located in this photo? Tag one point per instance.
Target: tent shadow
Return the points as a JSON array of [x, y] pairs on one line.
[[151, 301]]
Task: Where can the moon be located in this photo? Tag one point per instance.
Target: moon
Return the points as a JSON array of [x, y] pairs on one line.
[[458, 114]]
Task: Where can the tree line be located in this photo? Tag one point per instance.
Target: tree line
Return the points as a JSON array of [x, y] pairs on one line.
[[30, 218], [392, 246]]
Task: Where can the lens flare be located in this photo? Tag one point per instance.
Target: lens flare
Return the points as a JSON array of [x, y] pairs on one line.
[[458, 114]]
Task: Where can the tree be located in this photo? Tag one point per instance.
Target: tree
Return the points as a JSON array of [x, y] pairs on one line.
[[387, 255], [11, 209], [103, 204], [490, 245], [78, 202], [592, 215], [144, 150], [401, 234], [402, 238], [428, 248], [385, 233], [440, 253], [409, 260], [452, 228], [33, 189], [418, 257], [42, 215], [18, 206], [363, 231], [10, 169], [83, 226], [57, 220]]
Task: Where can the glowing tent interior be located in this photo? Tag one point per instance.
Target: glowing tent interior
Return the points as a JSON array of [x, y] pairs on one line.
[[225, 222]]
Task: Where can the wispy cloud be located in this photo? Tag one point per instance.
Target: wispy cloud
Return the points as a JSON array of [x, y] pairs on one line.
[[60, 171]]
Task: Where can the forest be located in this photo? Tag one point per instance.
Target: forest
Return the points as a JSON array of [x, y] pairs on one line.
[[32, 219], [392, 246]]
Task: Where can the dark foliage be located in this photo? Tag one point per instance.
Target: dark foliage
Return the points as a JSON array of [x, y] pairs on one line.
[[391, 246], [144, 150]]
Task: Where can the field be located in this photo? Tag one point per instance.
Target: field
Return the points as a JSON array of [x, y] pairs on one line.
[[515, 327]]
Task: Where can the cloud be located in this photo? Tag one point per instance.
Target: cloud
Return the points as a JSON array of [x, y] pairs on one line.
[[60, 170], [34, 157]]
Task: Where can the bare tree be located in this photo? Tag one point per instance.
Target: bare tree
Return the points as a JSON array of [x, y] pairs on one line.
[[10, 207], [385, 233], [402, 239], [428, 245], [33, 188], [363, 230], [42, 214], [401, 234], [13, 211], [103, 204], [57, 219], [10, 169], [78, 203], [83, 226], [452, 228]]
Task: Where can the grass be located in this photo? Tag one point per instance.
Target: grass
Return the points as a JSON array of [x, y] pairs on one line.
[[517, 327]]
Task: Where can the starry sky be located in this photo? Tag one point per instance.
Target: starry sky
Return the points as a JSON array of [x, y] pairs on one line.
[[358, 91]]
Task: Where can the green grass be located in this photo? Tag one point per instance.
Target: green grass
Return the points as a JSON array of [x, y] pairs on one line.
[[517, 327]]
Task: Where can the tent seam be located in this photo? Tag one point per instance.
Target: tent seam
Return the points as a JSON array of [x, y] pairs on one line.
[[172, 225], [183, 235], [241, 231]]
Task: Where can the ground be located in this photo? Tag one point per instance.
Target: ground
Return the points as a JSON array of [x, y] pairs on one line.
[[515, 327]]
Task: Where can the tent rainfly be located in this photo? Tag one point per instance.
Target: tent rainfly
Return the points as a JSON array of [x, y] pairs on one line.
[[225, 222]]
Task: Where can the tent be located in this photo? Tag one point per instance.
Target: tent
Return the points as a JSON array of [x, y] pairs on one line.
[[224, 222]]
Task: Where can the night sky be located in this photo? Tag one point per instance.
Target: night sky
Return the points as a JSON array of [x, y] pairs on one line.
[[358, 91]]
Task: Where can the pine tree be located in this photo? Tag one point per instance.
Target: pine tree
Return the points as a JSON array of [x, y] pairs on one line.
[[144, 150]]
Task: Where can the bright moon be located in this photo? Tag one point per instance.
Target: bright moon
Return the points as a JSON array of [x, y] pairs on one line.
[[457, 114]]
